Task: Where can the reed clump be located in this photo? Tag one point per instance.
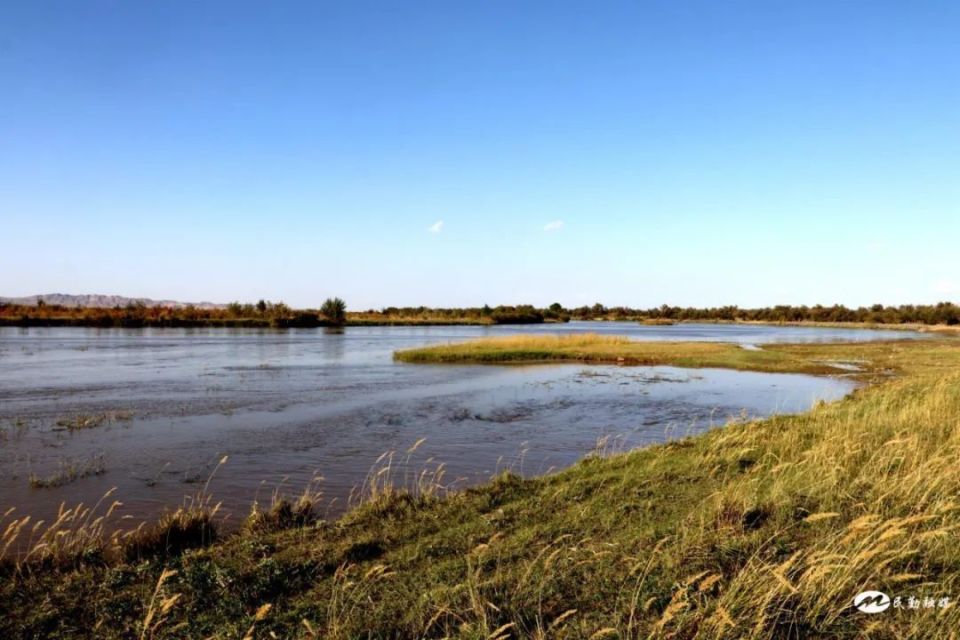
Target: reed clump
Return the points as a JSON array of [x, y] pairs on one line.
[[69, 471], [191, 526], [78, 536], [283, 513]]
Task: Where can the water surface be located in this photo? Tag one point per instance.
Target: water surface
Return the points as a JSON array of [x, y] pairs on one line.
[[287, 405]]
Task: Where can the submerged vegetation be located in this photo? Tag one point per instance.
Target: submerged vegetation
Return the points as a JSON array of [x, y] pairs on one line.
[[79, 422], [69, 471], [763, 529]]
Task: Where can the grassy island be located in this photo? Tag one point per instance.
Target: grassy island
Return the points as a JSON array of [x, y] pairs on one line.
[[764, 529], [868, 358]]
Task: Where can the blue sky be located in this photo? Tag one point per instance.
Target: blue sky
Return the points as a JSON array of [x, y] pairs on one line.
[[692, 153]]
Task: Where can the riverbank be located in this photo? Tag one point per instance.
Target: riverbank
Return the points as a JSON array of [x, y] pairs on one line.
[[234, 323], [121, 319], [944, 329], [762, 529], [361, 320]]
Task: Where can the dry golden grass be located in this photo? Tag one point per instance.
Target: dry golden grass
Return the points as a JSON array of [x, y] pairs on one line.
[[284, 512], [583, 347], [874, 487], [77, 535], [590, 347]]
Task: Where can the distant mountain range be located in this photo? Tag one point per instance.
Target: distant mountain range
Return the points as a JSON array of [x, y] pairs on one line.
[[103, 301]]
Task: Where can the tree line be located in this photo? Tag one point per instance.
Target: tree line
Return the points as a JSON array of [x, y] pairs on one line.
[[940, 313], [333, 313], [264, 313]]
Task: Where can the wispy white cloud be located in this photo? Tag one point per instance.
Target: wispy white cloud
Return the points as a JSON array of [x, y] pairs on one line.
[[436, 227], [556, 225]]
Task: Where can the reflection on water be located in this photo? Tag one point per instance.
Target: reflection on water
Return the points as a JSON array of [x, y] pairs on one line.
[[288, 404]]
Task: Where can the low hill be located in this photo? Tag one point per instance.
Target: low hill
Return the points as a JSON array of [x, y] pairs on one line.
[[100, 301]]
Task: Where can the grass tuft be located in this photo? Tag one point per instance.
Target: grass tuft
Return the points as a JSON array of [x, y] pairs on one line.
[[189, 527], [283, 513], [69, 471]]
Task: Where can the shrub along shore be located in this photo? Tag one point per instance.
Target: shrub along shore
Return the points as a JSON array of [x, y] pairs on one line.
[[333, 313], [762, 529], [264, 314]]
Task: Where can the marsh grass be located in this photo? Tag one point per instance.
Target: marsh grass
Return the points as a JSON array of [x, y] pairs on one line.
[[89, 421], [190, 526], [78, 535], [285, 512], [875, 360], [397, 481], [69, 471], [593, 348], [762, 529]]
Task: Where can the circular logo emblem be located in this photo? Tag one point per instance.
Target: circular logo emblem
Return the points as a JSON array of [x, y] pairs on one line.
[[871, 601]]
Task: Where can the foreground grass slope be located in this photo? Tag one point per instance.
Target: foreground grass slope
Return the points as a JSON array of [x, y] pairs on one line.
[[765, 529]]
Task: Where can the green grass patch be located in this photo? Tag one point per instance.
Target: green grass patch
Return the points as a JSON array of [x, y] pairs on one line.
[[593, 348]]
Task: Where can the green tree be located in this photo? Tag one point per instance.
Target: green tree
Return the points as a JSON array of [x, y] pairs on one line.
[[335, 311]]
